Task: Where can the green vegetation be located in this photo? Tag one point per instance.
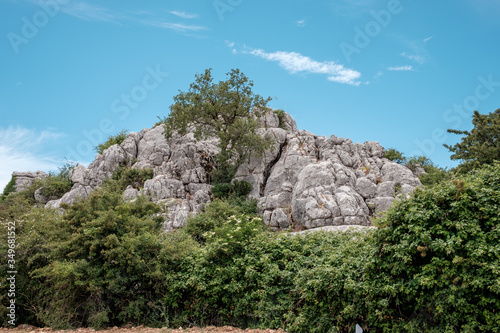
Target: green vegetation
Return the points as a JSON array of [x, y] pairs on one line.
[[9, 188], [481, 145], [226, 110], [230, 190], [281, 117], [431, 266], [112, 140], [216, 214], [125, 176], [436, 267], [55, 185], [395, 156]]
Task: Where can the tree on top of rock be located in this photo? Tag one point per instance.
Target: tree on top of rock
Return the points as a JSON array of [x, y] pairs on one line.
[[479, 146], [227, 110]]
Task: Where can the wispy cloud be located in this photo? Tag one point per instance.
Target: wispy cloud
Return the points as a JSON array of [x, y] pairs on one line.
[[181, 27], [418, 58], [294, 62], [428, 39], [20, 150], [301, 23], [401, 68], [89, 12], [183, 15], [379, 74]]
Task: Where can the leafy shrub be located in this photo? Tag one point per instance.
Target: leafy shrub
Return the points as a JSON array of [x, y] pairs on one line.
[[230, 237], [34, 229], [216, 213], [126, 176], [281, 117], [436, 267], [112, 140], [235, 189], [103, 272], [56, 185], [300, 283]]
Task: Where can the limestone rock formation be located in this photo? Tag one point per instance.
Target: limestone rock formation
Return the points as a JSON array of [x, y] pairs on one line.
[[303, 181], [26, 179]]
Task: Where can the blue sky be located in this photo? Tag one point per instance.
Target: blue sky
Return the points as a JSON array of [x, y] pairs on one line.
[[399, 72]]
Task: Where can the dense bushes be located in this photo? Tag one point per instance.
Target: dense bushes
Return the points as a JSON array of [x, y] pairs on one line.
[[431, 266], [437, 267]]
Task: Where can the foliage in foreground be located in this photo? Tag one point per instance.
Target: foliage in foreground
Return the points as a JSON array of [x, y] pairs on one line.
[[431, 266], [437, 266]]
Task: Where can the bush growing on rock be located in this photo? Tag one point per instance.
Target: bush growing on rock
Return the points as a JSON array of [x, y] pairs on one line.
[[112, 140]]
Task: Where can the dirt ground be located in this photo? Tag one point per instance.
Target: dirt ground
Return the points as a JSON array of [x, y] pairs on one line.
[[140, 329]]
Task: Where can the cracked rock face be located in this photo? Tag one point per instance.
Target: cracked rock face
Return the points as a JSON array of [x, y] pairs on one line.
[[303, 181]]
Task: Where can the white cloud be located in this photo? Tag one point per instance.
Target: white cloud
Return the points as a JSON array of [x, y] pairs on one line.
[[183, 15], [20, 151], [428, 39], [418, 58], [295, 62], [401, 68], [301, 23]]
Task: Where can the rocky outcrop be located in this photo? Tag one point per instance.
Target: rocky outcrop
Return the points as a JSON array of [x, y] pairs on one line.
[[26, 179], [308, 181], [303, 181]]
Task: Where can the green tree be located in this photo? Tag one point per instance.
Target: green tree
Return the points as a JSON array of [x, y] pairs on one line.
[[479, 146], [227, 110]]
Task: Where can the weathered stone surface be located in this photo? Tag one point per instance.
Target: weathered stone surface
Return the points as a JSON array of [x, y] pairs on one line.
[[302, 181], [380, 204], [366, 188], [339, 228], [26, 179], [39, 197]]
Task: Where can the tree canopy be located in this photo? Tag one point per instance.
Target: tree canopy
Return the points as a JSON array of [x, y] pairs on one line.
[[227, 110], [479, 146]]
